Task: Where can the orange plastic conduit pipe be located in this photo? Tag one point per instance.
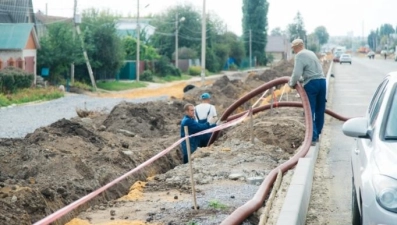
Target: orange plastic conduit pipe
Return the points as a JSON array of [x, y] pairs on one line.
[[286, 104], [241, 213]]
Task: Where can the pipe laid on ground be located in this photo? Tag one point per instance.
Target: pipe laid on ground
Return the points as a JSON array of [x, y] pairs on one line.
[[241, 213], [286, 104]]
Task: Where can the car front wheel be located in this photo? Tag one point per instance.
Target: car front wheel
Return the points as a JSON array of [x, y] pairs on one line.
[[356, 217]]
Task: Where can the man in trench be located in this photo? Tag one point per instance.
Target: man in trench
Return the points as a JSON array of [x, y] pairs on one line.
[[205, 112], [193, 126]]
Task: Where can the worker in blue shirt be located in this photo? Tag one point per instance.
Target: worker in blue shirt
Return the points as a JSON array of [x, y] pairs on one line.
[[193, 126]]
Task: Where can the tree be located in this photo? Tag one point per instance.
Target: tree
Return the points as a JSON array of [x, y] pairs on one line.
[[322, 34], [235, 47], [255, 23], [104, 47], [58, 50], [277, 32], [386, 30], [297, 28], [313, 42], [146, 52], [189, 31]]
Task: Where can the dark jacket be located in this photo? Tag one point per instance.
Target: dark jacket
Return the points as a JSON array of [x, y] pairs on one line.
[[193, 127]]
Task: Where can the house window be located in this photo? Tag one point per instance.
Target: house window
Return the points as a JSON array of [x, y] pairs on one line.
[[11, 62], [20, 63]]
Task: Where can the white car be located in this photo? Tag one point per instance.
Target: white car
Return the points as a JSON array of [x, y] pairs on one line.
[[345, 58], [374, 158]]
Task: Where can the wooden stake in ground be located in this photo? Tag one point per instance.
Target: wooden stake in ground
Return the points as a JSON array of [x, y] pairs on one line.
[[252, 125], [190, 167], [271, 100], [265, 215]]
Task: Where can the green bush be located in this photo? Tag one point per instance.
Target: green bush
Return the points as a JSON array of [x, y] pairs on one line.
[[233, 67], [194, 70], [82, 85], [147, 75], [161, 66], [172, 70], [4, 101], [211, 61], [164, 68], [12, 79]]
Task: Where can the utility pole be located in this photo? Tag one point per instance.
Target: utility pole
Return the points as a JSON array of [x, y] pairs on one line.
[[250, 44], [87, 61], [203, 43], [177, 20], [176, 41], [138, 31], [74, 37]]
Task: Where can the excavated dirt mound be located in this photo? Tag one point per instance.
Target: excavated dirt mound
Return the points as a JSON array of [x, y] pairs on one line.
[[60, 163], [147, 119], [223, 91]]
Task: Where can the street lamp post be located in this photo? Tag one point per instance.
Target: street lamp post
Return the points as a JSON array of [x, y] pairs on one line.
[[177, 20], [138, 41], [203, 44], [138, 30]]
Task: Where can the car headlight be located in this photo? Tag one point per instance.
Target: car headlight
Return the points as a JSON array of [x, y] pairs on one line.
[[386, 192]]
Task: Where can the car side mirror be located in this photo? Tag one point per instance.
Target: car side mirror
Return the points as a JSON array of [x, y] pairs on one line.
[[356, 127]]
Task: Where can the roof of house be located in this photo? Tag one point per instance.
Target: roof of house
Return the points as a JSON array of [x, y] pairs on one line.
[[277, 44], [45, 19], [14, 36]]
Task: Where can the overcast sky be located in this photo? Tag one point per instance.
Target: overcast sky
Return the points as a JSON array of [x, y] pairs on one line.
[[338, 16]]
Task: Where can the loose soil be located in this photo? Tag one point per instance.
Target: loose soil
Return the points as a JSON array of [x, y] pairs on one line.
[[60, 163]]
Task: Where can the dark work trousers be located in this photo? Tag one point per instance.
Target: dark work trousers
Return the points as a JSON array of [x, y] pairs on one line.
[[316, 90]]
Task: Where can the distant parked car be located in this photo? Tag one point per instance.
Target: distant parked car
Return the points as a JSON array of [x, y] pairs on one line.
[[345, 58], [374, 158], [336, 57]]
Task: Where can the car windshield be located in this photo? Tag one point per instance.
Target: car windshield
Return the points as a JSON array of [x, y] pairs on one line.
[[345, 56], [391, 124]]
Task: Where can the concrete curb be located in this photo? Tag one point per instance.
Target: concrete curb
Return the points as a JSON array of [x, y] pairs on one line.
[[296, 203]]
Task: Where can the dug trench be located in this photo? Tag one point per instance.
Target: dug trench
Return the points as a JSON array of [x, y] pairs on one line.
[[60, 163]]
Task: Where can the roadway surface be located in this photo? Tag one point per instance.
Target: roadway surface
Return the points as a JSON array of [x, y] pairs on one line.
[[352, 89]]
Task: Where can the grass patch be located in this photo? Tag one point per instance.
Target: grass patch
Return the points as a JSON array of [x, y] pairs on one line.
[[215, 204], [30, 95], [119, 86], [170, 78]]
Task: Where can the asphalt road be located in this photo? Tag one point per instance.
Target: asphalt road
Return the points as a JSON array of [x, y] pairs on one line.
[[352, 89]]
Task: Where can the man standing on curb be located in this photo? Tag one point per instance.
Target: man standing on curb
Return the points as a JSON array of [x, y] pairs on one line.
[[193, 127], [308, 68], [205, 112]]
